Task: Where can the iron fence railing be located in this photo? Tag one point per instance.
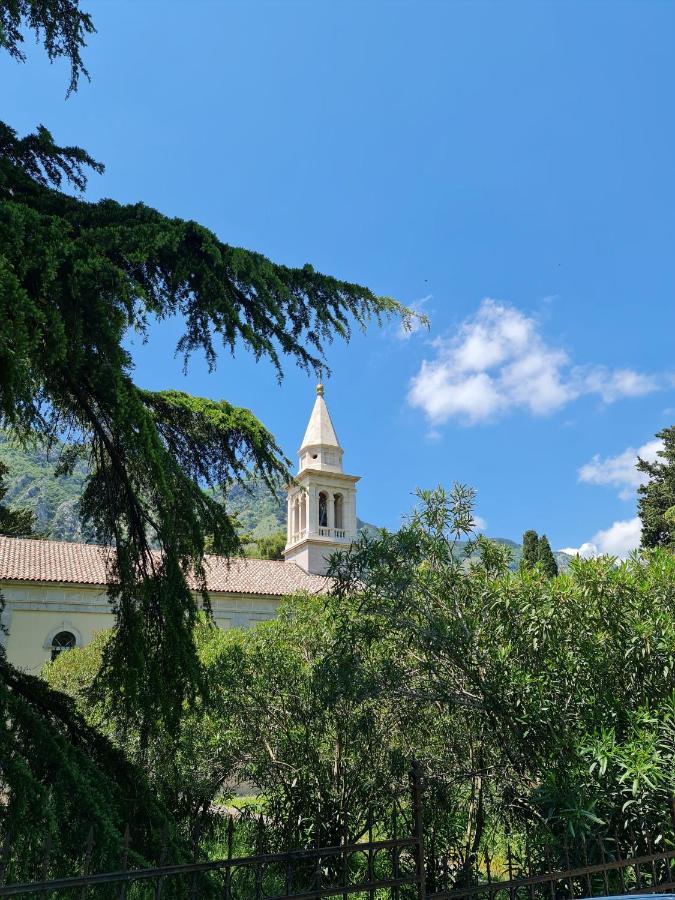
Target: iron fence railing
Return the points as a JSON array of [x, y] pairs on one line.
[[380, 864], [300, 874], [651, 873]]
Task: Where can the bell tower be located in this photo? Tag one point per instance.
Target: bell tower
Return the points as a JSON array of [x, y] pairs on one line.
[[322, 499]]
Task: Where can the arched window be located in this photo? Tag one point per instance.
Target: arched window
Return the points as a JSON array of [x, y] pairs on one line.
[[337, 518], [323, 510], [64, 640]]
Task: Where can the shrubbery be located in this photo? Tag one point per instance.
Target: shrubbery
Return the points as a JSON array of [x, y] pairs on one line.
[[534, 703]]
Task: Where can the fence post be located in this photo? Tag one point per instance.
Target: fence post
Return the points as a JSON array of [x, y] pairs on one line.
[[418, 828]]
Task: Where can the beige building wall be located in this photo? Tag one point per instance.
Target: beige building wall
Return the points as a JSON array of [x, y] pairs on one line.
[[35, 612]]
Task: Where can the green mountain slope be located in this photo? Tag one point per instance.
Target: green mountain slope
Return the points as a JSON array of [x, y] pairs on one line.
[[33, 484]]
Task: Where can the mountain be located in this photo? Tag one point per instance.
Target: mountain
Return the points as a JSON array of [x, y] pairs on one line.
[[33, 484]]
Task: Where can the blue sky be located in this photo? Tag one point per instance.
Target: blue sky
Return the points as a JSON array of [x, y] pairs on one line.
[[442, 153]]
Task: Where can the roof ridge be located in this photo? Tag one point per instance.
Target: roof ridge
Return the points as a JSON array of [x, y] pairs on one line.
[[70, 562], [42, 540]]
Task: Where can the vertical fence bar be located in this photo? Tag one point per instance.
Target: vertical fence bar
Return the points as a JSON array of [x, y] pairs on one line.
[[162, 861], [603, 860], [509, 863], [396, 852], [418, 828], [650, 848], [86, 867], [589, 886], [622, 873], [636, 866], [195, 876], [227, 875], [260, 844], [345, 841], [568, 865], [431, 863], [289, 877], [46, 853], [528, 862], [121, 894], [317, 844], [5, 854], [549, 866], [371, 870]]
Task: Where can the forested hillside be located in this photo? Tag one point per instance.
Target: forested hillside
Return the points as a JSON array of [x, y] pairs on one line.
[[54, 500]]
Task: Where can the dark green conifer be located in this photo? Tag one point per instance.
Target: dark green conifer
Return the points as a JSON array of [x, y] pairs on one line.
[[530, 550], [656, 498], [76, 277], [545, 557]]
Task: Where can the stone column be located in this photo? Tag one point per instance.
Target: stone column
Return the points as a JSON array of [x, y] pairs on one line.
[[312, 511], [330, 503]]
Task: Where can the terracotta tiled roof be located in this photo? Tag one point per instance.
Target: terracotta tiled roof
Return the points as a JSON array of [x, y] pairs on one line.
[[61, 561]]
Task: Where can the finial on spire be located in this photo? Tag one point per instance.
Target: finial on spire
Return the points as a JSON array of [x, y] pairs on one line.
[[319, 390]]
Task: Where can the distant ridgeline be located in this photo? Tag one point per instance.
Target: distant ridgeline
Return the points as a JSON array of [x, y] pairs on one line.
[[32, 484], [54, 501]]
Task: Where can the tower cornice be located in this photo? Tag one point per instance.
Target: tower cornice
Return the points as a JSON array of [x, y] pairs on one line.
[[321, 497]]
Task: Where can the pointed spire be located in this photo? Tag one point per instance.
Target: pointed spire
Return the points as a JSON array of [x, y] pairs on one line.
[[320, 430]]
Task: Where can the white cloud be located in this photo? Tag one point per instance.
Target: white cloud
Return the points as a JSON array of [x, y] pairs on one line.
[[620, 470], [612, 386], [620, 539], [479, 524], [498, 362]]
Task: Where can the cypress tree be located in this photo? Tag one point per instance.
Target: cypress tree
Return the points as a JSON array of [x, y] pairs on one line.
[[656, 498], [530, 550], [545, 557]]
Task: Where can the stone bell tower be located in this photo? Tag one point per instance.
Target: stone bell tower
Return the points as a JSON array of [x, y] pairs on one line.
[[322, 500]]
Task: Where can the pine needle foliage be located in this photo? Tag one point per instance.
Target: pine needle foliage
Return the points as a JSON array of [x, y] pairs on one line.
[[75, 279], [545, 557], [530, 555], [60, 25], [60, 778], [656, 498]]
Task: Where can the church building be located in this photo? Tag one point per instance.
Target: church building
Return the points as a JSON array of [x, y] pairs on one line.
[[55, 591]]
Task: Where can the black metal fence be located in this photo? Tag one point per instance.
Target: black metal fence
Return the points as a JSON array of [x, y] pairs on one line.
[[650, 873], [386, 860], [380, 864]]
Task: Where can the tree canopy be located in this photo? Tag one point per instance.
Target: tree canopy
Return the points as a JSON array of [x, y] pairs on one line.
[[551, 697], [540, 706], [75, 278], [656, 498], [60, 25], [530, 555], [545, 557]]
